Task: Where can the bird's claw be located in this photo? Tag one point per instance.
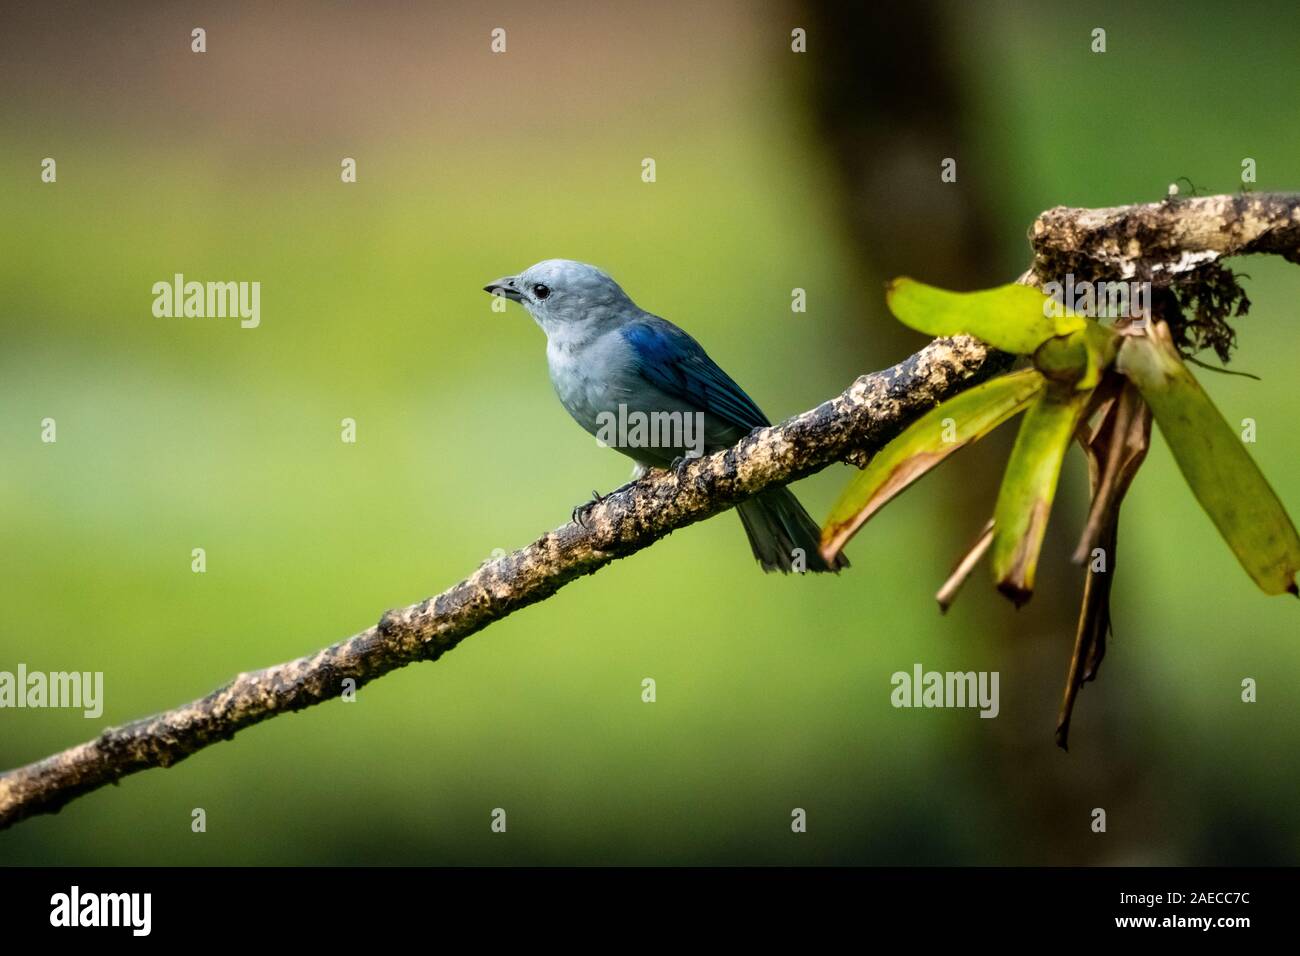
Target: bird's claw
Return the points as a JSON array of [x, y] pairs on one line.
[[579, 515], [679, 464]]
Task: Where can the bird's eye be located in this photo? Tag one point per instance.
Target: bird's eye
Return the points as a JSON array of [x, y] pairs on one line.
[[541, 291]]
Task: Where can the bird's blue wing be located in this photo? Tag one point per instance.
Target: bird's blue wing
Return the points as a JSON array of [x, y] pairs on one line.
[[674, 363]]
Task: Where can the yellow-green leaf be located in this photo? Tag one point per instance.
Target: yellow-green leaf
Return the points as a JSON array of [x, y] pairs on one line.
[[1029, 485], [1012, 318], [956, 423], [1213, 459], [1078, 358]]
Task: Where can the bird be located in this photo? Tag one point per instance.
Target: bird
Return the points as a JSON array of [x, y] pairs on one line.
[[614, 365]]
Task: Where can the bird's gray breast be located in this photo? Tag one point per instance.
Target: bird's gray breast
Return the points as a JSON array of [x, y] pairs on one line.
[[591, 376]]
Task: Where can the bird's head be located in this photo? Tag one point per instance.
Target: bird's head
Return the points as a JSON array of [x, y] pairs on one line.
[[559, 292]]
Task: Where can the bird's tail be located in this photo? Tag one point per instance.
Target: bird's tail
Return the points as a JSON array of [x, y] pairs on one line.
[[782, 534]]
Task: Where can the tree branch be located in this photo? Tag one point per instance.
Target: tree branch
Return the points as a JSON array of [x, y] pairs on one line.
[[1164, 239], [1174, 236]]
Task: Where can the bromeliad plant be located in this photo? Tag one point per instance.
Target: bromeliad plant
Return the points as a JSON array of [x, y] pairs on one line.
[[1097, 384]]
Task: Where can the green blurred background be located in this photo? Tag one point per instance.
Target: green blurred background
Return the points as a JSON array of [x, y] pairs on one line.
[[775, 171]]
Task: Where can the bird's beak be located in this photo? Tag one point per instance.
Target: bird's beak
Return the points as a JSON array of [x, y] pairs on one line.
[[506, 288]]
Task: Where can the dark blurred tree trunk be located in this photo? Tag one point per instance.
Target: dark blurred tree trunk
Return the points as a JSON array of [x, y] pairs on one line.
[[888, 103]]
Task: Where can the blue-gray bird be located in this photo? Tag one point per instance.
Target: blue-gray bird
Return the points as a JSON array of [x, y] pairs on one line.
[[614, 365]]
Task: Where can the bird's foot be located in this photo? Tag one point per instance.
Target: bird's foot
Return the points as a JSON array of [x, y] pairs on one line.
[[580, 513], [680, 462]]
